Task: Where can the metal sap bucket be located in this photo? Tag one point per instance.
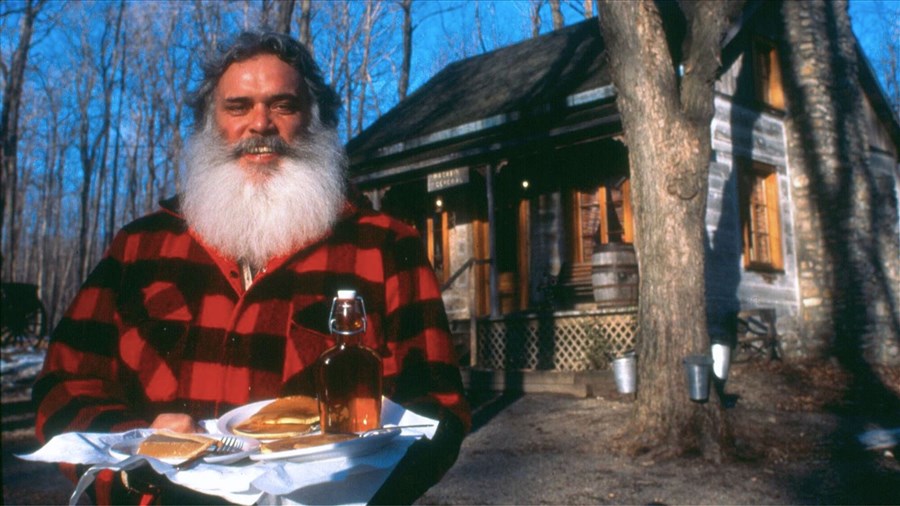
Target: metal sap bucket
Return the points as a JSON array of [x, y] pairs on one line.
[[625, 373], [697, 368]]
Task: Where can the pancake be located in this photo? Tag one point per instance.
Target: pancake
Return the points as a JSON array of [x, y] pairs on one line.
[[300, 442], [166, 444], [282, 418]]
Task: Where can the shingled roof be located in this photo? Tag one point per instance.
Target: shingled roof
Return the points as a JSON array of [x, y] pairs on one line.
[[534, 86], [532, 77]]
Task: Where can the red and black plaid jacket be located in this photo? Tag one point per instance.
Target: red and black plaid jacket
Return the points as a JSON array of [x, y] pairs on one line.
[[163, 324]]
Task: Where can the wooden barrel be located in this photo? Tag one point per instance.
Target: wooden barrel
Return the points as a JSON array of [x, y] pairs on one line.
[[614, 275]]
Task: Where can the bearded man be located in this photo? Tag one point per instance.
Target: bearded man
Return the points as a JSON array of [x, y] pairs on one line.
[[221, 297]]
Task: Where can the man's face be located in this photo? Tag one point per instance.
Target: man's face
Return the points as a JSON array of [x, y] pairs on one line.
[[258, 98]]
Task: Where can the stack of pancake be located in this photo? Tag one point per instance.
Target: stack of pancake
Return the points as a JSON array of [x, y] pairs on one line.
[[282, 418], [282, 425], [286, 424]]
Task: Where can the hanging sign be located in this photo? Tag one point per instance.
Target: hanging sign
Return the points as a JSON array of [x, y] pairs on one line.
[[447, 179]]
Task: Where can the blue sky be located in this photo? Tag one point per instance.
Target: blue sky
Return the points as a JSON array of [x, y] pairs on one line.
[[505, 22]]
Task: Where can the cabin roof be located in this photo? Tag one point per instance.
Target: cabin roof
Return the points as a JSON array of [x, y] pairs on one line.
[[538, 77], [525, 78]]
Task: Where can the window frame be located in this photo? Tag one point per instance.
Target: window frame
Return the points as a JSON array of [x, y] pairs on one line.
[[765, 222], [600, 198], [768, 85]]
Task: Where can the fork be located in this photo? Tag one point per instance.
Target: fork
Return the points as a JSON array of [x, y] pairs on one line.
[[223, 446]]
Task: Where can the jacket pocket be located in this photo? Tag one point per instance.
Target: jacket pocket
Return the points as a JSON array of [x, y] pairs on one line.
[[303, 348]]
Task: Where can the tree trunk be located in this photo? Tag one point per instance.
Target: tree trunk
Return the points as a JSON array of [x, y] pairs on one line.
[[407, 32], [151, 179], [114, 191], [306, 24], [284, 14], [208, 20], [368, 26], [9, 129], [666, 123], [556, 15], [92, 146], [536, 17], [48, 192], [479, 30], [87, 168]]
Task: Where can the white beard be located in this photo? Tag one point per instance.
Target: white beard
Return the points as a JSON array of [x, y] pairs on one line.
[[296, 203]]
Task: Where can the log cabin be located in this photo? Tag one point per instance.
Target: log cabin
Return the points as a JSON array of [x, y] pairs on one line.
[[513, 167]]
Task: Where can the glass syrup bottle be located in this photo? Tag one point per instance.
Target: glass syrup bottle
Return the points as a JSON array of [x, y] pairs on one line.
[[348, 375]]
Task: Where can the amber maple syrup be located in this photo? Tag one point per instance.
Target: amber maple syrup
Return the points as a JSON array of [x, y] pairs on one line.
[[348, 378]]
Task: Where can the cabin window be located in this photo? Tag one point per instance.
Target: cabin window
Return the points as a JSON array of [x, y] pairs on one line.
[[603, 216], [760, 217], [767, 72]]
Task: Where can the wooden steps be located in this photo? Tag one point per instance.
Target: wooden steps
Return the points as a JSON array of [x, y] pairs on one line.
[[578, 384]]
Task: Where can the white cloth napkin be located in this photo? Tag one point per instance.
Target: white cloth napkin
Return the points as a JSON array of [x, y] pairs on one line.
[[338, 480]]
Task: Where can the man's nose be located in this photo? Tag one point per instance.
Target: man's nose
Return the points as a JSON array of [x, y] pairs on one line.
[[261, 120]]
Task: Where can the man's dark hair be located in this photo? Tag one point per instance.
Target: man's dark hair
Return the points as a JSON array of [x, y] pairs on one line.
[[250, 44]]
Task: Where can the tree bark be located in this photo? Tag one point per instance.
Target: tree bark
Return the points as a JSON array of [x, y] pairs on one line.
[[479, 30], [114, 190], [556, 15], [666, 122], [406, 64], [372, 11], [306, 24], [284, 14], [9, 129], [536, 17]]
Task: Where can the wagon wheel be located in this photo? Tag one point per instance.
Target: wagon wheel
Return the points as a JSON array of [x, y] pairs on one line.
[[38, 327], [25, 329], [24, 321]]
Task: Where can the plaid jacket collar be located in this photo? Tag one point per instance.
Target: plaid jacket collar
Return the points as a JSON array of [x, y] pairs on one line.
[[355, 203]]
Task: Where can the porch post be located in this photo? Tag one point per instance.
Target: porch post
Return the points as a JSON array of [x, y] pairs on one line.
[[492, 242], [473, 318]]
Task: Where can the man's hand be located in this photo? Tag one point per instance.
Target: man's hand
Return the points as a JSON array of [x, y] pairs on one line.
[[176, 422]]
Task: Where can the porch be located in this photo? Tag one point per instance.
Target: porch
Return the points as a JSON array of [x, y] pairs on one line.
[[566, 351]]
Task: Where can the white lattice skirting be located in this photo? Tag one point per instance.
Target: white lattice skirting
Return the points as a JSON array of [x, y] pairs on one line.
[[561, 341]]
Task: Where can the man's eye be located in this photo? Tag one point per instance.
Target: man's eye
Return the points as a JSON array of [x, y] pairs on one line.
[[286, 107], [236, 108]]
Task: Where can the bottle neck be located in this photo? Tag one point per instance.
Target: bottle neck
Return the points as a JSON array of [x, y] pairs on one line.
[[349, 339]]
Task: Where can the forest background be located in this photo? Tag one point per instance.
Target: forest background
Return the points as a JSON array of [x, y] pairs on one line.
[[95, 117]]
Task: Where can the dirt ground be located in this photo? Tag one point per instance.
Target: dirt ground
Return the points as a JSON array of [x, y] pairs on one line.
[[795, 431], [795, 437]]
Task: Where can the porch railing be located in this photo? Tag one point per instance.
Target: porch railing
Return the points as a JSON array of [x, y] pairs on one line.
[[463, 268], [559, 340]]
